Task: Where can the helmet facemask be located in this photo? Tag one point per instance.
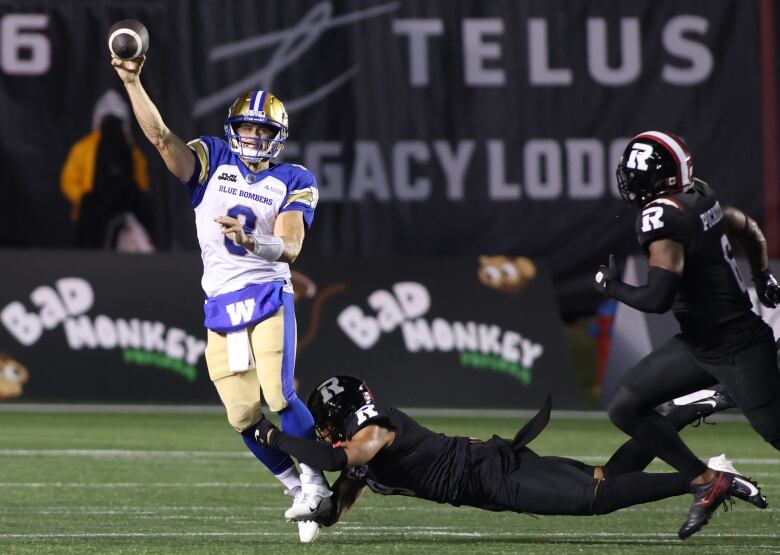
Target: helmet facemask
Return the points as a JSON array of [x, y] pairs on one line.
[[638, 189], [254, 149]]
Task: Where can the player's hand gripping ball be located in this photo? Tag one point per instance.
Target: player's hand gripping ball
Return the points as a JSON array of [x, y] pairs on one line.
[[128, 39]]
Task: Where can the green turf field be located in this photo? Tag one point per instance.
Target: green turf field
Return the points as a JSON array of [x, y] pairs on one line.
[[178, 483]]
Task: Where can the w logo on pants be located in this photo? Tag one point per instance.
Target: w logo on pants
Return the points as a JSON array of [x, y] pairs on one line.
[[241, 311]]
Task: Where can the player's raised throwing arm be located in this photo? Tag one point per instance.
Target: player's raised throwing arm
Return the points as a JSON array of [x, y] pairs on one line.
[[177, 156]]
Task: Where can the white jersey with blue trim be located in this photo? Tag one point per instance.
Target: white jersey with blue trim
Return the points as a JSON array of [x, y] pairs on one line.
[[223, 185]]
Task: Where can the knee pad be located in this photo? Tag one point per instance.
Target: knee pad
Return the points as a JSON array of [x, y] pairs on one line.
[[242, 415]]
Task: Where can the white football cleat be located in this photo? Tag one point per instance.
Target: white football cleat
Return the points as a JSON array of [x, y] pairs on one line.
[[312, 501], [308, 531], [743, 487]]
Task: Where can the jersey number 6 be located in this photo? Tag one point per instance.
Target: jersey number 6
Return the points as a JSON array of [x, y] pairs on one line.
[[729, 256]]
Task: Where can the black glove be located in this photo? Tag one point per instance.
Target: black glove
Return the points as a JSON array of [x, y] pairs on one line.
[[767, 289], [331, 518], [605, 274], [261, 434]]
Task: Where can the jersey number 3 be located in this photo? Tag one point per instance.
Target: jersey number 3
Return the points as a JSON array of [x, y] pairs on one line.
[[249, 218]]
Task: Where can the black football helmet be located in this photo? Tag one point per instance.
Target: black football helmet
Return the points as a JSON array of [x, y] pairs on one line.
[[334, 401], [654, 164]]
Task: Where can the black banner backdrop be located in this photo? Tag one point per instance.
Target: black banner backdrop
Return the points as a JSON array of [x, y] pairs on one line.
[[434, 127], [424, 332]]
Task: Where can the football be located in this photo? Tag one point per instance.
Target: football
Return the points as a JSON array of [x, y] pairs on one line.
[[128, 39]]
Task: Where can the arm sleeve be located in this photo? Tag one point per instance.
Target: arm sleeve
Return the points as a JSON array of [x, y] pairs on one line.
[[310, 451], [657, 296]]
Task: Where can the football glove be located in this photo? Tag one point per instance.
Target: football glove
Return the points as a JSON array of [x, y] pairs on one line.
[[605, 274], [330, 518], [767, 289], [262, 429]]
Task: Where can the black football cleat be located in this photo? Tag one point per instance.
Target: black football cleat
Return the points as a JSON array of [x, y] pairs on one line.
[[706, 499], [743, 487], [698, 405]]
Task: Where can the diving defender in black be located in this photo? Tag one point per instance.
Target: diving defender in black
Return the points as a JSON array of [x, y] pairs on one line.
[[389, 452], [386, 450]]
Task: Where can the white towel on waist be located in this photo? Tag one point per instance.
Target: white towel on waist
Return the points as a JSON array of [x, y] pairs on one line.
[[239, 351]]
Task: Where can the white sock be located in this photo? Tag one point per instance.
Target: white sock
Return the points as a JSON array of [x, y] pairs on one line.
[[312, 475], [289, 478]]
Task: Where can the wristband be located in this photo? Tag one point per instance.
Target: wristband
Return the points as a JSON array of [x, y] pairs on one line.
[[267, 247]]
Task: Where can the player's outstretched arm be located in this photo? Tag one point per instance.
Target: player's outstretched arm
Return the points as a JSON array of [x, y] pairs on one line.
[[330, 457], [177, 156], [743, 229]]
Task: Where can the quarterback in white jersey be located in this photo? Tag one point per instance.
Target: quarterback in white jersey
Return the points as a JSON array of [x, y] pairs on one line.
[[225, 186], [251, 215]]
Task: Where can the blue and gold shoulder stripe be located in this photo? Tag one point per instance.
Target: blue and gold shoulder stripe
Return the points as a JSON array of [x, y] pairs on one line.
[[307, 196], [302, 192], [201, 150]]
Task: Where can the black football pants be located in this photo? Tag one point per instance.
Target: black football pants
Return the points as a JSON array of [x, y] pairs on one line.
[[750, 376], [523, 481]]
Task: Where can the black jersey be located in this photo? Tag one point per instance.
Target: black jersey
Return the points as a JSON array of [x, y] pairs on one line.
[[419, 462], [712, 290]]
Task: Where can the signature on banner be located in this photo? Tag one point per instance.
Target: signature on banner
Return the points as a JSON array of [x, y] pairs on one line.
[[291, 44]]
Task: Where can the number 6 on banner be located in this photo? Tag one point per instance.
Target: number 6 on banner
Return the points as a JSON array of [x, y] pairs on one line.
[[25, 48]]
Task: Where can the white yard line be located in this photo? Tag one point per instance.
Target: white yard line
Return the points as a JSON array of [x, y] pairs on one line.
[[403, 531], [165, 514]]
